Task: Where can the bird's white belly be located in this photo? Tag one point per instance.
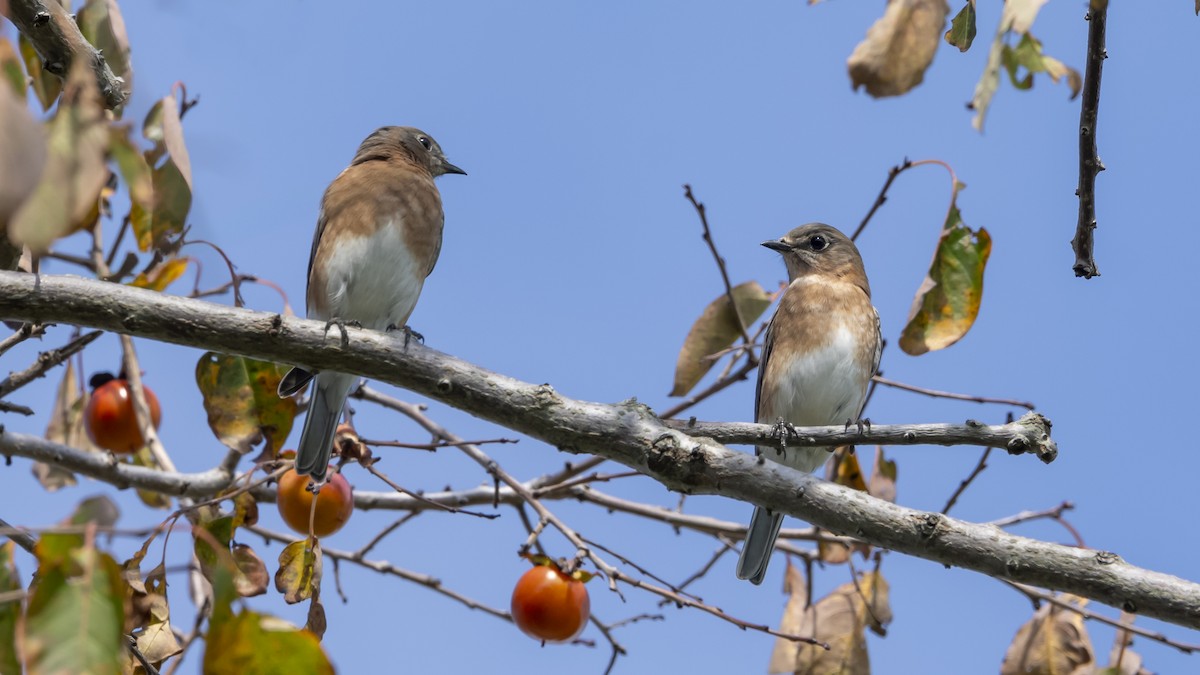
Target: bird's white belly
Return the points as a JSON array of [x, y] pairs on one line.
[[822, 387], [373, 280]]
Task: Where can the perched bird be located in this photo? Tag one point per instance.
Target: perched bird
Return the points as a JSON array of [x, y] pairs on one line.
[[378, 236], [821, 350]]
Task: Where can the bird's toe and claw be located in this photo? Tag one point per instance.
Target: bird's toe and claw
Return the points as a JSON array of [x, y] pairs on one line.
[[409, 333], [342, 328], [781, 431], [862, 423]]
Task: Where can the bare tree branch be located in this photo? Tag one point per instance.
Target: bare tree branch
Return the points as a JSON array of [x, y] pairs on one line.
[[1089, 160], [628, 433], [53, 33]]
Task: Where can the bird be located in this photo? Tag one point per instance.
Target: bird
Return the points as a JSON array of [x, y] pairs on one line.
[[378, 236], [822, 348]]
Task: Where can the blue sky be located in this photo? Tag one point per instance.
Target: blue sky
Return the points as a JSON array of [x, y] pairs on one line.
[[571, 257]]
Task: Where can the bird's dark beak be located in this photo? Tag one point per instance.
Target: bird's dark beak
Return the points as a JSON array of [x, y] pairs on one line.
[[447, 167], [777, 245]]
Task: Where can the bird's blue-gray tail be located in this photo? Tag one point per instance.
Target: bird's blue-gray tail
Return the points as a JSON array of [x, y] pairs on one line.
[[760, 542], [324, 411]]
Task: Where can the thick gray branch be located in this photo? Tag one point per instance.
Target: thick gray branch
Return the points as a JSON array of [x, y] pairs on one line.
[[105, 467], [1030, 434], [53, 33], [627, 433]]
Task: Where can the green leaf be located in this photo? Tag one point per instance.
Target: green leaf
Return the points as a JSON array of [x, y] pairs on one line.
[[75, 171], [249, 642], [138, 179], [10, 612], [171, 175], [962, 28], [245, 509], [241, 399], [45, 86], [101, 24], [250, 576], [299, 575], [1028, 55], [715, 330], [76, 615], [11, 69], [948, 300]]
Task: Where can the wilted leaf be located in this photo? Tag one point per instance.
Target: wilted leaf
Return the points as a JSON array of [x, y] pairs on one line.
[[171, 176], [10, 612], [962, 28], [1053, 642], [1028, 55], [45, 86], [316, 618], [1121, 659], [299, 575], [715, 330], [883, 477], [162, 275], [22, 153], [155, 500], [245, 509], [138, 179], [11, 70], [248, 642], [947, 302], [66, 427], [101, 24], [837, 619], [253, 579], [75, 170], [899, 47], [209, 549], [843, 470], [240, 396], [76, 613], [99, 510], [1017, 17]]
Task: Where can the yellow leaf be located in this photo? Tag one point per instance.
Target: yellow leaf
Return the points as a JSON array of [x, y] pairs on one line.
[[947, 303], [161, 276]]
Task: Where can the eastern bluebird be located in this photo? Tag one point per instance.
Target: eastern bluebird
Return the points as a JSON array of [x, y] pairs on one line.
[[378, 236], [821, 350]]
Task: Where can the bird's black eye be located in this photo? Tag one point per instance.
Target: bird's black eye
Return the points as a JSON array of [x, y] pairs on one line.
[[818, 243], [425, 142]]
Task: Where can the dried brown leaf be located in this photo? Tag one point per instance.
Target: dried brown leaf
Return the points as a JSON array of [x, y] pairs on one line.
[[716, 329], [899, 47], [1053, 642], [837, 619]]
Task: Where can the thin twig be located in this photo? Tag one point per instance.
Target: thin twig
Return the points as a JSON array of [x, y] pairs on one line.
[[951, 395], [384, 567], [362, 552], [966, 482], [712, 246], [25, 332], [18, 535], [882, 197], [432, 446], [1089, 160], [437, 505], [1037, 595], [46, 361]]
